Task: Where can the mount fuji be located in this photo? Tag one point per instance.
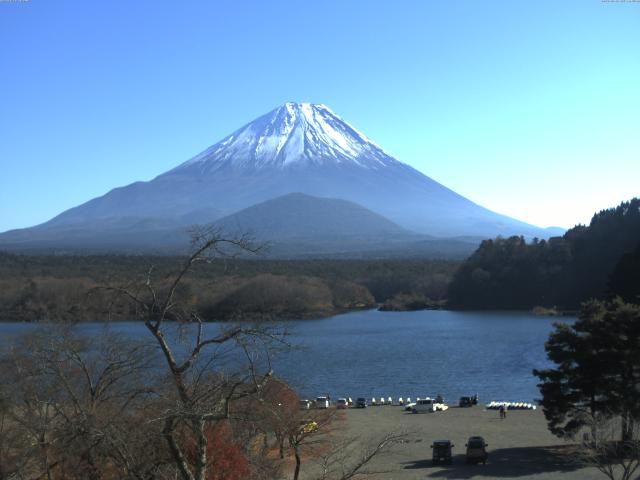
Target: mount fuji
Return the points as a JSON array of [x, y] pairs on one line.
[[296, 148]]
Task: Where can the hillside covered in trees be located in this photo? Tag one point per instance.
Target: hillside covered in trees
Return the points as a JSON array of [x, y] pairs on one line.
[[34, 288], [595, 261]]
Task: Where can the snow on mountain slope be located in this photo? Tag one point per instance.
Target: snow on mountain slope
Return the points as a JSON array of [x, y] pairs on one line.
[[298, 147], [295, 134]]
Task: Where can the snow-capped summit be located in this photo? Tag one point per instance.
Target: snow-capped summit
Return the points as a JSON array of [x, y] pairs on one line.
[[292, 135], [299, 148]]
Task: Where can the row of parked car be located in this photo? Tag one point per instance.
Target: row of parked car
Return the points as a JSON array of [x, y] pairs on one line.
[[476, 451], [423, 404], [324, 402]]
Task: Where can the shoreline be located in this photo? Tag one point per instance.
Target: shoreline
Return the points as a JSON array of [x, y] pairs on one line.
[[309, 316]]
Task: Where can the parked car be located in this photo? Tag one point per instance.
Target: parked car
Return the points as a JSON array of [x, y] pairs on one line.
[[322, 402], [361, 402], [465, 402], [342, 403], [476, 450], [442, 452], [424, 405]]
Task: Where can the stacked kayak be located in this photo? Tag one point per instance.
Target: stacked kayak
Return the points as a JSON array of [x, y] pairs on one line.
[[493, 405]]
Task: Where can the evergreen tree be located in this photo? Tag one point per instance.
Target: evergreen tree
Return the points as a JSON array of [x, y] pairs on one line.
[[561, 272], [597, 369], [625, 278]]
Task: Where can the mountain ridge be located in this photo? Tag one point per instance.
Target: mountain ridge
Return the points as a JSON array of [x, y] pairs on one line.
[[303, 148], [297, 215]]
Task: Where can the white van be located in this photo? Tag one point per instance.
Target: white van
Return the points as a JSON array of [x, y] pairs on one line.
[[322, 402], [424, 405]]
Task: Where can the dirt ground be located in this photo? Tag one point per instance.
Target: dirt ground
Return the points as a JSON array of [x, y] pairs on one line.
[[520, 446]]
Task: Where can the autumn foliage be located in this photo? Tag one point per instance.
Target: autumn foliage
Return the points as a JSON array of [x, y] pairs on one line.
[[226, 459]]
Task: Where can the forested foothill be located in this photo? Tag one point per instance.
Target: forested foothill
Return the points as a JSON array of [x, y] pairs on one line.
[[596, 261], [64, 287], [601, 260]]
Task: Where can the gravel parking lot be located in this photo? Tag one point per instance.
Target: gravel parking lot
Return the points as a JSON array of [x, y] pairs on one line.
[[520, 446]]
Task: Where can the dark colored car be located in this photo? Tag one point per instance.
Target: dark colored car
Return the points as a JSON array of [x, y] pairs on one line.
[[477, 450], [465, 402], [442, 452], [361, 402]]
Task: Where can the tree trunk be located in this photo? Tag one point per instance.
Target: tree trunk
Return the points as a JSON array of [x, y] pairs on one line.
[[296, 473], [626, 427], [281, 445], [201, 457], [594, 422], [93, 472], [176, 453], [45, 456]]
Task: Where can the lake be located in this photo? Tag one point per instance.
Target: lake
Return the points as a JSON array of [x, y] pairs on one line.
[[416, 354]]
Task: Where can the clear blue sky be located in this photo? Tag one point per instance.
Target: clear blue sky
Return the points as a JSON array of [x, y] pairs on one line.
[[530, 108]]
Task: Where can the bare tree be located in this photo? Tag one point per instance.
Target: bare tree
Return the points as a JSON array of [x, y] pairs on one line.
[[602, 448], [191, 402], [102, 407], [75, 406], [316, 434], [348, 459], [14, 442], [308, 433], [203, 389]]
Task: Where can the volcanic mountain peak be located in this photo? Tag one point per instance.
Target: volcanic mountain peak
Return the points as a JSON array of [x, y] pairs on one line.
[[292, 135], [298, 147]]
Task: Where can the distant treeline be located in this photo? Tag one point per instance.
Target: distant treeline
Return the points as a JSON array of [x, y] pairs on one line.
[[596, 261], [70, 288]]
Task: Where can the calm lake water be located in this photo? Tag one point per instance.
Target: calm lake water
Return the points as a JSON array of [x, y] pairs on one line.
[[371, 353]]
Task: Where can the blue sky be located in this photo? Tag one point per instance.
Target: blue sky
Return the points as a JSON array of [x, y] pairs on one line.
[[531, 109]]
